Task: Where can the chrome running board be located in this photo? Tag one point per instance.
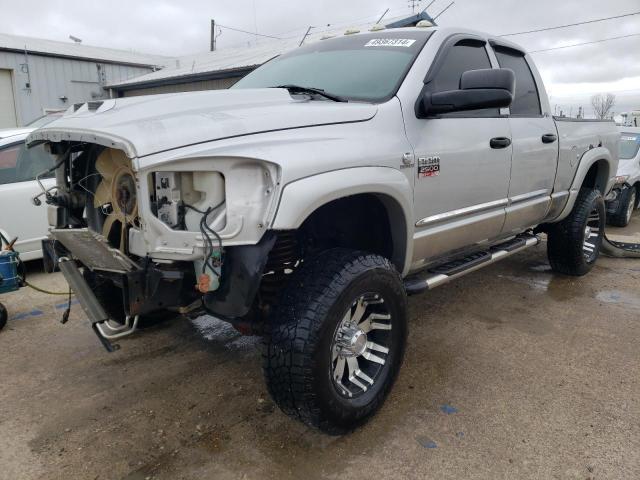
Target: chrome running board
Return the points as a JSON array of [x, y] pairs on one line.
[[434, 277]]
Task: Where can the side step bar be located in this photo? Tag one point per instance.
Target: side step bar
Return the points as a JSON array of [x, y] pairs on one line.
[[88, 301], [442, 274]]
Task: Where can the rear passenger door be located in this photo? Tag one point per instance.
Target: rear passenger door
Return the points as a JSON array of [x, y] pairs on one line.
[[535, 146]]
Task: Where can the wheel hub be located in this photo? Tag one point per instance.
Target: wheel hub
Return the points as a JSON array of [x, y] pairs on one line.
[[352, 342], [587, 232], [361, 345]]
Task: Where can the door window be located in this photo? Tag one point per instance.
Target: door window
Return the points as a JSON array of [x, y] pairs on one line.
[[462, 57], [20, 164], [527, 101]]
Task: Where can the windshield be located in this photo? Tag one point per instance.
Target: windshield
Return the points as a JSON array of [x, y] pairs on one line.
[[629, 145], [367, 67]]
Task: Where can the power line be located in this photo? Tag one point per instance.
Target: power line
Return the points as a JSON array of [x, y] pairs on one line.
[[250, 33], [585, 43], [570, 25]]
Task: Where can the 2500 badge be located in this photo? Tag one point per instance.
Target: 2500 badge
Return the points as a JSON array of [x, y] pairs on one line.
[[428, 167]]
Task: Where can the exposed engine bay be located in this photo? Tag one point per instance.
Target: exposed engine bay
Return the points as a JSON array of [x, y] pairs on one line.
[[95, 215]]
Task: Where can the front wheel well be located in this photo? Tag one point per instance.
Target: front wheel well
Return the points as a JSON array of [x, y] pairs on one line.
[[369, 222]]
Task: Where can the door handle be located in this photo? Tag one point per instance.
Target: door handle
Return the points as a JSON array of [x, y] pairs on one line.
[[549, 138], [500, 142]]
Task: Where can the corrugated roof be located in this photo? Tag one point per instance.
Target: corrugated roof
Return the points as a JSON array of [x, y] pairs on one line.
[[79, 50], [228, 60]]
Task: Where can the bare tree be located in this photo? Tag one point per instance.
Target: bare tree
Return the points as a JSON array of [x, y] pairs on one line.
[[603, 104]]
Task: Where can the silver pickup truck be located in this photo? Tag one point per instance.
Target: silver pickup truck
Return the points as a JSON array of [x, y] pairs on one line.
[[307, 202]]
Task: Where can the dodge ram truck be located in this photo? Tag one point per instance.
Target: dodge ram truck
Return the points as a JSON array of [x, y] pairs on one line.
[[305, 203]]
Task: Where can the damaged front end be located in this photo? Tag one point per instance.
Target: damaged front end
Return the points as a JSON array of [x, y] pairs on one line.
[[134, 242]]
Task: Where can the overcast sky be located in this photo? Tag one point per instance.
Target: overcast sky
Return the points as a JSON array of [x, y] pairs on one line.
[[180, 28]]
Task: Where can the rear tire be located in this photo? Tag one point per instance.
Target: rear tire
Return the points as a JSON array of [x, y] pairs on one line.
[[3, 316], [327, 361], [573, 245], [626, 206]]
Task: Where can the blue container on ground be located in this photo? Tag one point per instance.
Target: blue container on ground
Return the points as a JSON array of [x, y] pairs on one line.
[[9, 280]]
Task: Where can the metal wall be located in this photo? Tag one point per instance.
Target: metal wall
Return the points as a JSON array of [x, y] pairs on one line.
[[39, 81], [182, 87]]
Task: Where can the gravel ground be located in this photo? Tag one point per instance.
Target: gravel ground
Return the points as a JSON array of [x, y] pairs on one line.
[[511, 372]]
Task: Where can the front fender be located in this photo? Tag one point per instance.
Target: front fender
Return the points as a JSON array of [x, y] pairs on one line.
[[301, 198]]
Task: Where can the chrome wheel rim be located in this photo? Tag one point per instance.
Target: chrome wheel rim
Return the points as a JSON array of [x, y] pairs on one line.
[[360, 346], [631, 206], [590, 243]]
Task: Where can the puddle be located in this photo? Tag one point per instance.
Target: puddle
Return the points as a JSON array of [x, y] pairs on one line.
[[619, 298], [541, 284], [558, 288]]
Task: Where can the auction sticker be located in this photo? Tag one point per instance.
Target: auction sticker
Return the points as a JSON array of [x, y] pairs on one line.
[[390, 42]]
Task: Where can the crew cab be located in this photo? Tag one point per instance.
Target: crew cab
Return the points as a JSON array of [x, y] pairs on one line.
[[306, 202]]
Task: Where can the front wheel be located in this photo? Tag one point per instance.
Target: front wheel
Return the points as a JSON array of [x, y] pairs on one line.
[[335, 346], [573, 245]]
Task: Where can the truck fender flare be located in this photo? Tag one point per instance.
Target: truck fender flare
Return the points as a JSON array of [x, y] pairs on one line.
[[302, 197], [604, 181]]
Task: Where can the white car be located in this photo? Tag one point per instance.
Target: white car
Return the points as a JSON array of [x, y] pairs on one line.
[[627, 188], [18, 169]]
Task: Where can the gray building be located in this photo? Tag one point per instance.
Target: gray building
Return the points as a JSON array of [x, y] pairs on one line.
[[39, 76], [221, 69]]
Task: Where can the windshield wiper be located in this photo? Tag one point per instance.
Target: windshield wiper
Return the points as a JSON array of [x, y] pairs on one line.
[[314, 91]]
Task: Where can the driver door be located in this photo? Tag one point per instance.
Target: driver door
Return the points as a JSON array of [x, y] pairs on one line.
[[463, 164]]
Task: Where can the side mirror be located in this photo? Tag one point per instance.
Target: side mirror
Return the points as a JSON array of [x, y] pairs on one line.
[[488, 88]]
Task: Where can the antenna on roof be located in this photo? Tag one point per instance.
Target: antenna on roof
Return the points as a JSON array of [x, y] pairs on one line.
[[427, 7], [75, 39], [305, 35], [385, 14], [445, 9]]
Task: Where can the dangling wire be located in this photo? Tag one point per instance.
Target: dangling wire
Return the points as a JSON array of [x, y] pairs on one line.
[[206, 230]]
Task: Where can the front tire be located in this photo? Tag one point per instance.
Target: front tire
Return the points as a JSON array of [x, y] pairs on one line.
[[334, 348], [573, 245], [626, 206]]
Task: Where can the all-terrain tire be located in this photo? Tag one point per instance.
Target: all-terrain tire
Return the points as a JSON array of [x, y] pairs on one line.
[[3, 316], [297, 354], [569, 250], [626, 205]]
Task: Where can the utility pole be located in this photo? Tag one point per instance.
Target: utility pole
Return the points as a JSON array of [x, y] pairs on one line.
[[413, 4], [213, 35]]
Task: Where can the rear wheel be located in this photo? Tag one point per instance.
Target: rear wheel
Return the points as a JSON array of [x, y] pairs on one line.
[[573, 245], [626, 206], [335, 347]]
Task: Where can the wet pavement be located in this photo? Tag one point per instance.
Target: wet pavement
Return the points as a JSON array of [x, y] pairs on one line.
[[510, 372]]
